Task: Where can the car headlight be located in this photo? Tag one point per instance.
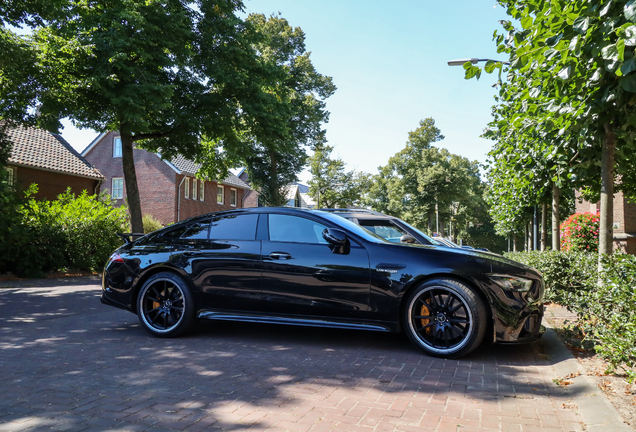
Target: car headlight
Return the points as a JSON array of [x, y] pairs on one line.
[[512, 283]]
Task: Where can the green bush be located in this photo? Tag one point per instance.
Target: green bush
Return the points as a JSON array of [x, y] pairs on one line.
[[568, 276], [70, 232], [580, 233], [607, 313], [150, 223]]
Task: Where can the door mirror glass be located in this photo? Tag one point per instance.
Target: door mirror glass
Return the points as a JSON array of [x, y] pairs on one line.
[[408, 239]]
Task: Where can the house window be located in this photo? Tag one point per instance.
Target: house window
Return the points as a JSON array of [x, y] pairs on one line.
[[233, 197], [195, 186], [202, 191], [219, 194], [118, 188], [10, 176], [117, 147], [187, 187]]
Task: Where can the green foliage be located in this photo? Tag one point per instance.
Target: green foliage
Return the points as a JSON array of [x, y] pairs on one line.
[[151, 223], [70, 232], [580, 232], [421, 175], [276, 157], [483, 235], [607, 311], [330, 185]]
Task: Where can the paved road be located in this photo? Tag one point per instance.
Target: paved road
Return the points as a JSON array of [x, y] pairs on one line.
[[71, 363]]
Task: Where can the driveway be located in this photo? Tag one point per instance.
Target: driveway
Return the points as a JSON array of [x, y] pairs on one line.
[[70, 363]]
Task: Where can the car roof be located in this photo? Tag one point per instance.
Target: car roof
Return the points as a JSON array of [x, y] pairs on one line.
[[358, 213]]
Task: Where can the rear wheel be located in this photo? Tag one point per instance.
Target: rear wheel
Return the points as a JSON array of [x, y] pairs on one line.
[[165, 305], [445, 318]]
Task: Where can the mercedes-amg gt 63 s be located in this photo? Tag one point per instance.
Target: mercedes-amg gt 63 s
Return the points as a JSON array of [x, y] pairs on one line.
[[314, 268]]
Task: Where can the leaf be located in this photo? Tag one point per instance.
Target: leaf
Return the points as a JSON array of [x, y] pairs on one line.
[[490, 66], [620, 47], [605, 9], [628, 83], [630, 35], [630, 10], [581, 24], [565, 73], [610, 52], [472, 71], [552, 41], [628, 66], [526, 22]]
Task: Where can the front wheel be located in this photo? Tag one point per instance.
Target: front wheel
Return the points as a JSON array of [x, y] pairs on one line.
[[445, 318], [165, 305]]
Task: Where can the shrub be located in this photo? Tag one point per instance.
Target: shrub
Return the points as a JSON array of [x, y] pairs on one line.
[[607, 313], [580, 232], [568, 276], [71, 232], [150, 223]]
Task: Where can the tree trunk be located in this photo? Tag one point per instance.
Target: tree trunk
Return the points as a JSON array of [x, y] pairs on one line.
[[544, 226], [130, 178], [531, 235], [556, 219], [606, 234], [514, 242]]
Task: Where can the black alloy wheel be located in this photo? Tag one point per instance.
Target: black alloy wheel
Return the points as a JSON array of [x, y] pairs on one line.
[[445, 318], [165, 305]]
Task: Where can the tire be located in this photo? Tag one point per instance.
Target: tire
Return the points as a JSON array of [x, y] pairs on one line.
[[445, 318], [165, 305]]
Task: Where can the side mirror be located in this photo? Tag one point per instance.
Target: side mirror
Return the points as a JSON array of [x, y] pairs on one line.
[[334, 236], [408, 239], [337, 239]]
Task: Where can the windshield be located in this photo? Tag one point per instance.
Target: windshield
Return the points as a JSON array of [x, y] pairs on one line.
[[354, 228]]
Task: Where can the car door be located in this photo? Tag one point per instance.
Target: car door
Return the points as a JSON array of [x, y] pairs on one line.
[[227, 265], [303, 276]]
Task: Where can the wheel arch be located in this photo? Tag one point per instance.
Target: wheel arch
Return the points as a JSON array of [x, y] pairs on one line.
[[141, 280], [457, 278]]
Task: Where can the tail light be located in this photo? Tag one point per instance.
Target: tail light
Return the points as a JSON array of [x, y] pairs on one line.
[[115, 258]]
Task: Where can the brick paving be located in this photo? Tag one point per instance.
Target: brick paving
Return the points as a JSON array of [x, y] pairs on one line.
[[71, 364]]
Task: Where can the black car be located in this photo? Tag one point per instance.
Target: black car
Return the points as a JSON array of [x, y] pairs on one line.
[[314, 268]]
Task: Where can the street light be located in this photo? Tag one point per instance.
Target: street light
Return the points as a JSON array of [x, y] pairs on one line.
[[460, 62]]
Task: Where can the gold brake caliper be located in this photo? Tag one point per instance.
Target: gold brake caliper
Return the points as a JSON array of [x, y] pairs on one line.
[[425, 311]]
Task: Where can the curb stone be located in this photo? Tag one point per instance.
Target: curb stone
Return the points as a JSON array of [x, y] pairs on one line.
[[594, 408]]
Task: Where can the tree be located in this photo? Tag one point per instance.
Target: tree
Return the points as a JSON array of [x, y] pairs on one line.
[[299, 91], [175, 77], [573, 64], [331, 185], [425, 185]]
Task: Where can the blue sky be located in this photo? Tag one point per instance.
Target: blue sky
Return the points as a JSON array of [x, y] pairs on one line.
[[388, 60]]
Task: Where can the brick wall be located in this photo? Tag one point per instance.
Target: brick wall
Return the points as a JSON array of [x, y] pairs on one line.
[[191, 207], [624, 221], [251, 196], [51, 184], [159, 184]]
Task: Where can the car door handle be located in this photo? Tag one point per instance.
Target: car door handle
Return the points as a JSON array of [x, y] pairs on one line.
[[280, 255], [191, 253]]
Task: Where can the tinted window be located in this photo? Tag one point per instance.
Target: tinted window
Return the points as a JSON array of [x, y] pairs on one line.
[[353, 227], [234, 227], [196, 230], [285, 228], [384, 229]]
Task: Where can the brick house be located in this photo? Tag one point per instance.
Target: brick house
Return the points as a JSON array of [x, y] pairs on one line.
[[624, 221], [45, 158], [168, 190], [297, 194]]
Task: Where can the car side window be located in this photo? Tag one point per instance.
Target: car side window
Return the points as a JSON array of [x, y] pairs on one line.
[[295, 229], [234, 227]]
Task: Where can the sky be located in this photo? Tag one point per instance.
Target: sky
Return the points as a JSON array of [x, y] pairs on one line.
[[389, 62]]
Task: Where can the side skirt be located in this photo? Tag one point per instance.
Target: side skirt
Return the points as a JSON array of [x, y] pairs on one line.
[[316, 322]]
